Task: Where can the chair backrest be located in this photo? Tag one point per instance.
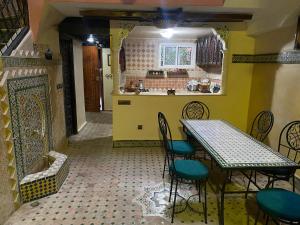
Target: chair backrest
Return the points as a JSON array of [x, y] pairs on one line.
[[167, 136], [262, 125], [195, 110], [289, 141]]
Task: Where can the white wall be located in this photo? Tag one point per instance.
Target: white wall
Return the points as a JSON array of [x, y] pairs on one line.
[[79, 86], [107, 81]]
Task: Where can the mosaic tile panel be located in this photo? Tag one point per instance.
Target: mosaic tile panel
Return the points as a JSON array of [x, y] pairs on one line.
[[44, 183], [31, 122], [288, 57]]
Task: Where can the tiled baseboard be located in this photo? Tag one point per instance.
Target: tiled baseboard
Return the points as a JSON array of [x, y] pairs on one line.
[[136, 143]]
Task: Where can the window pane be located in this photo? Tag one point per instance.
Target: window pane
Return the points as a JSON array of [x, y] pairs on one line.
[[184, 55], [162, 56], [170, 56]]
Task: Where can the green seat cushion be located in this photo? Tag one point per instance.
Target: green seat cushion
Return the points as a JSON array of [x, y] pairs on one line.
[[190, 169], [280, 203], [183, 148]]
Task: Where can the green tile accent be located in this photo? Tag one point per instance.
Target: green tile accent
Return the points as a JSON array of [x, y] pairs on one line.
[[28, 62], [288, 57]]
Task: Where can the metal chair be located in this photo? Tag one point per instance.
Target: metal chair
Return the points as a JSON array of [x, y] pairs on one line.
[[180, 148], [180, 169], [195, 110], [262, 125], [281, 205], [288, 145]]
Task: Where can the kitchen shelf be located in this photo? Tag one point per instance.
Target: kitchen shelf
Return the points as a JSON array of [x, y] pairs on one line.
[[155, 74], [178, 74]]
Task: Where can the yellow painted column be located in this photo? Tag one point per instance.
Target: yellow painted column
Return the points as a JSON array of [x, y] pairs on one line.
[[118, 31]]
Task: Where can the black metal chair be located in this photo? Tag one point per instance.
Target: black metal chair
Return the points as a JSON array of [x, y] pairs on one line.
[[181, 169], [180, 148], [281, 205], [288, 145], [262, 125], [195, 110]]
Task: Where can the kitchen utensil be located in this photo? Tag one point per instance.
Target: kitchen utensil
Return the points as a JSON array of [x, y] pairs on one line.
[[192, 85]]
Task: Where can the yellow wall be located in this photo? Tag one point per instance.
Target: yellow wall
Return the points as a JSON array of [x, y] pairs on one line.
[[232, 107], [48, 34], [276, 86]]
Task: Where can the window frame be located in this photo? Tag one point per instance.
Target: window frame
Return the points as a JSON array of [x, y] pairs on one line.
[[178, 45]]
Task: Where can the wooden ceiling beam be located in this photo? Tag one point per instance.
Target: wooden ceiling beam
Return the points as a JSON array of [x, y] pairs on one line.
[[176, 14]]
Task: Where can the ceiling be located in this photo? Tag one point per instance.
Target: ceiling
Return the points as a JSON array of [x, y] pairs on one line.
[[268, 15], [178, 32]]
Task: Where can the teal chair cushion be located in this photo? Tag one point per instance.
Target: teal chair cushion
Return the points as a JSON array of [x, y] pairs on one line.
[[190, 169], [182, 148], [280, 203]]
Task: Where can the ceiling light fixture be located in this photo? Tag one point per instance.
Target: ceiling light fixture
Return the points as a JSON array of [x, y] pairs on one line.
[[167, 33], [91, 39]]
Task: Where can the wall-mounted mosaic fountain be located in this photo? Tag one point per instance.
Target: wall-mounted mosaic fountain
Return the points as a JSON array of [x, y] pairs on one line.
[[40, 173]]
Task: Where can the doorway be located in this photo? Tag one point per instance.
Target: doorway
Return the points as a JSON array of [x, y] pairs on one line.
[[93, 78], [66, 50]]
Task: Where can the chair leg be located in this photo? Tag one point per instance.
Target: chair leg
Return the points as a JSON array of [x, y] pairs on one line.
[[171, 187], [205, 203], [293, 183], [267, 220], [174, 203], [230, 176], [163, 176], [248, 186], [257, 217], [199, 190]]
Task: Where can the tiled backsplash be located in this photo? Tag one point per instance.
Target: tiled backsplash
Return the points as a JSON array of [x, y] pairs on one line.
[[143, 55]]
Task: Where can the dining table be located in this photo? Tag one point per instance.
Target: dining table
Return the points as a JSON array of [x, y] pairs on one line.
[[234, 150]]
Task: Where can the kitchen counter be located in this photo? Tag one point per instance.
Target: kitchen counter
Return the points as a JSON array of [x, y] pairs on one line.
[[162, 93]]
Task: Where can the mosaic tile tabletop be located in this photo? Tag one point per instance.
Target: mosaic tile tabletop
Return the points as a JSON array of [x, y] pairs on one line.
[[234, 148]]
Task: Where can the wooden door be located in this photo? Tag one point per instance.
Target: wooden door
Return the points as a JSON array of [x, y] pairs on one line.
[[92, 72]]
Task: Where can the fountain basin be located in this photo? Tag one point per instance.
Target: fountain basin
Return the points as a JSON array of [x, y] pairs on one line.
[[47, 182]]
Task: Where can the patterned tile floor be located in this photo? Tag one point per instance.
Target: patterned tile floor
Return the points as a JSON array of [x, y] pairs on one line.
[[99, 124], [124, 186]]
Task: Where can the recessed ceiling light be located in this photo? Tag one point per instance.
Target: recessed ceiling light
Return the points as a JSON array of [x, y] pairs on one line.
[[167, 33], [91, 39]]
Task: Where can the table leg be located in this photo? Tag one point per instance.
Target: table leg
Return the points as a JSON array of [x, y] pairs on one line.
[[222, 199]]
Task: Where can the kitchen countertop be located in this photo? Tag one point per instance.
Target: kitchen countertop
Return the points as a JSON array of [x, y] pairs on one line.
[[178, 92]]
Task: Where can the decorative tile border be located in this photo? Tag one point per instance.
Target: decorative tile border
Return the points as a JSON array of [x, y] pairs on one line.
[[44, 183], [288, 57], [28, 62], [136, 143]]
